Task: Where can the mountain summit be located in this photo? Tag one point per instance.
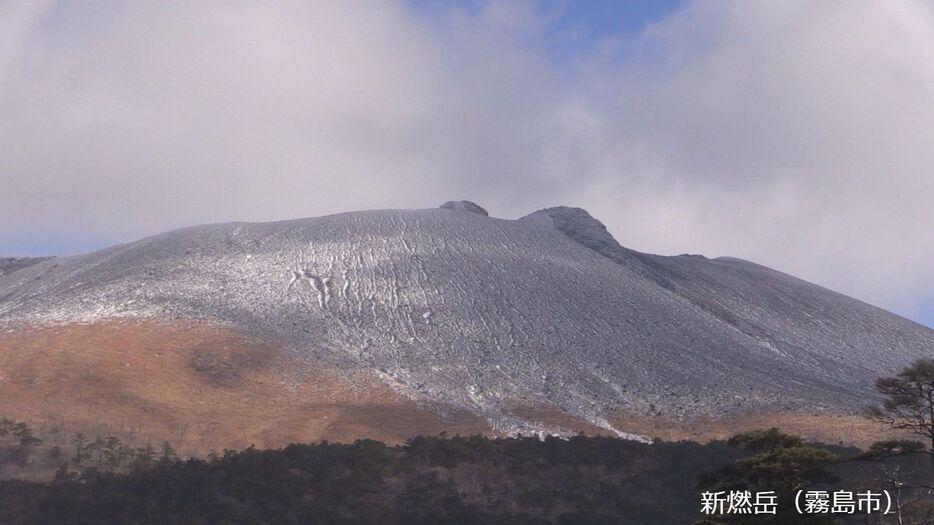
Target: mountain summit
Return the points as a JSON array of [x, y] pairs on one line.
[[545, 323]]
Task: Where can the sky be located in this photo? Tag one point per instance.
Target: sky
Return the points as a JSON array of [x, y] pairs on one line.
[[794, 134]]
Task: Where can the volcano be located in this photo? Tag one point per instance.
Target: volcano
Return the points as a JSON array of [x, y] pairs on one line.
[[391, 323]]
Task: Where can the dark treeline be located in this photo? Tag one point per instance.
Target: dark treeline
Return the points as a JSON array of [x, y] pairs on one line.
[[428, 480], [431, 480], [23, 454]]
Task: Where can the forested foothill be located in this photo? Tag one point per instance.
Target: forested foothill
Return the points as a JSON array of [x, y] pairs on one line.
[[429, 480]]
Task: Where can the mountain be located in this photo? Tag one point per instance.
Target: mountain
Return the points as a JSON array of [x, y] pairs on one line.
[[395, 322]]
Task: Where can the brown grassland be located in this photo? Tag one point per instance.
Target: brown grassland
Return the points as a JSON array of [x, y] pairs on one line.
[[205, 388], [198, 387]]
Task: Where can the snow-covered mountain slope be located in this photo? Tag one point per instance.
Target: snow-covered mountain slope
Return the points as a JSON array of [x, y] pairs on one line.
[[452, 306]]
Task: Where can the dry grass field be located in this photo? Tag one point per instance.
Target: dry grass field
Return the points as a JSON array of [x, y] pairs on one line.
[[202, 387], [853, 430], [197, 387]]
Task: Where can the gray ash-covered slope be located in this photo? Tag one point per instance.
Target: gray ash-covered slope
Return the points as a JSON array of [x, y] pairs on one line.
[[453, 306], [11, 264]]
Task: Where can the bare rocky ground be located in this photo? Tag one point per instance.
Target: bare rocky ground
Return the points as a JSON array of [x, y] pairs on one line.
[[495, 318]]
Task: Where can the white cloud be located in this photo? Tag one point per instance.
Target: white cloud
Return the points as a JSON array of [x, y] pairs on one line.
[[794, 134]]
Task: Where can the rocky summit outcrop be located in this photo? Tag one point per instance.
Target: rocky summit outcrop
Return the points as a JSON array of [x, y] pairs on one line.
[[545, 323], [465, 206]]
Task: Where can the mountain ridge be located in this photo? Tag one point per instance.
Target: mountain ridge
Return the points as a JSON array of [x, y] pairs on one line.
[[452, 306]]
